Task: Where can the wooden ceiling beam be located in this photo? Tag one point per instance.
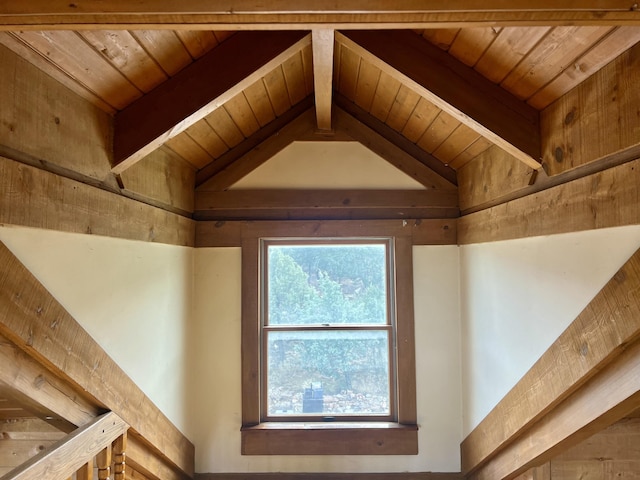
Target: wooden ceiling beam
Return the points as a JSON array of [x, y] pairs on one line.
[[347, 124], [325, 204], [299, 14], [244, 147], [322, 41], [300, 126], [396, 138], [197, 90], [453, 87]]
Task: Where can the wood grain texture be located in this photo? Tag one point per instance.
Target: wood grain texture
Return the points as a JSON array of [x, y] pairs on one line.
[[596, 338], [33, 320], [43, 14], [41, 118], [596, 119], [64, 407], [492, 174], [452, 86], [391, 136], [325, 204], [230, 234], [63, 459], [397, 156], [273, 128], [610, 454], [164, 177], [605, 199], [241, 162], [198, 90], [606, 398], [319, 439], [322, 43], [34, 198]]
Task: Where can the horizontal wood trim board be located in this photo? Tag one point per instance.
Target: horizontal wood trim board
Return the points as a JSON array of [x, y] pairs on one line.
[[595, 338], [609, 396], [120, 14], [31, 197], [197, 90], [606, 199], [319, 204], [453, 87], [401, 440], [331, 476], [230, 233], [32, 319]]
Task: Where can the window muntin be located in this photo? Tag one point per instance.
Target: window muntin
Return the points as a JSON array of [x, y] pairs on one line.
[[327, 328]]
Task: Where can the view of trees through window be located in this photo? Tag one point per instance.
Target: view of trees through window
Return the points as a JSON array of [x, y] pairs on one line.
[[327, 332]]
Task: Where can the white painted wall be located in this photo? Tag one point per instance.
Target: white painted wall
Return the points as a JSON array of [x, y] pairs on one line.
[[216, 384], [134, 299], [332, 165], [518, 296]]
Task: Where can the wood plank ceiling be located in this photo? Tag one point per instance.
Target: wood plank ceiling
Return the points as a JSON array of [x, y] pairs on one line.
[[536, 65]]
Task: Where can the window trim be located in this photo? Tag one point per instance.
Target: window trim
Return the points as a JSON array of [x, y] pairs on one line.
[[389, 327], [324, 438]]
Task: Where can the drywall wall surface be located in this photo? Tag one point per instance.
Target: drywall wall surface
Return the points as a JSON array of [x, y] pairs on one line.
[[133, 298], [331, 165], [215, 362], [518, 296]]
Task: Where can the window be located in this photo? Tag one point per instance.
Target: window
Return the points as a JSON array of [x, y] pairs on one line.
[[327, 330], [328, 356]]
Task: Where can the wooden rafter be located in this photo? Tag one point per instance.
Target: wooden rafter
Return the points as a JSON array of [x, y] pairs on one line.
[[322, 41], [453, 87], [296, 14], [197, 90], [260, 153], [383, 147], [325, 204], [69, 352], [396, 138], [253, 141]]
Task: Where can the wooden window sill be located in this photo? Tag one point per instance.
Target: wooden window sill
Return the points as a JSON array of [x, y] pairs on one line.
[[330, 438]]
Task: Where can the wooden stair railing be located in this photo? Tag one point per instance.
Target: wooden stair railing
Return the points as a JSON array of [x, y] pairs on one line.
[[104, 437]]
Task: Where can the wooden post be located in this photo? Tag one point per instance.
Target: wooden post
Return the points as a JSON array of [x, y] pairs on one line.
[[103, 459], [119, 457], [85, 472]]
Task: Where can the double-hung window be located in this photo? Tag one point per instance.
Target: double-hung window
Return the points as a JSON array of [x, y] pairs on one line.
[[328, 361]]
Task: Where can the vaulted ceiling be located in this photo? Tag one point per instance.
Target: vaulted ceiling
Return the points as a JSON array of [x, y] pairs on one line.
[[189, 85]]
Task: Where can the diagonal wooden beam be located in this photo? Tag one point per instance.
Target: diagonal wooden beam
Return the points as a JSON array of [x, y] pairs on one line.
[[299, 127], [396, 138], [520, 427], [253, 141], [297, 14], [325, 204], [197, 90], [453, 87], [381, 146], [39, 325], [322, 41]]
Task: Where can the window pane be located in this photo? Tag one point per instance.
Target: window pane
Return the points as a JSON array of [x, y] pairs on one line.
[[327, 284], [328, 373]]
